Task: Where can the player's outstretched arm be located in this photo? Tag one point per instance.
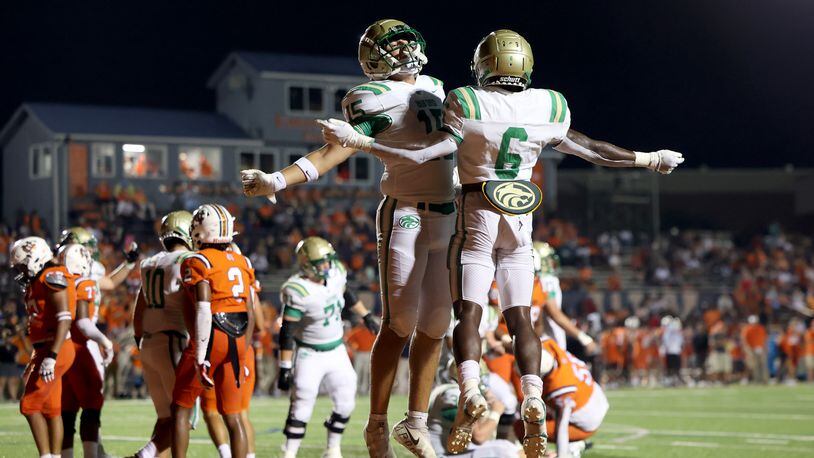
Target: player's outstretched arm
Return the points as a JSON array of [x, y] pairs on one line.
[[563, 418], [565, 323], [307, 168], [341, 133], [90, 331], [360, 310], [117, 277], [609, 155]]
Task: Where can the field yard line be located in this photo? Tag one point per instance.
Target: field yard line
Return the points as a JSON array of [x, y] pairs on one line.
[[767, 441], [767, 416], [742, 435], [633, 432], [695, 444], [615, 447]]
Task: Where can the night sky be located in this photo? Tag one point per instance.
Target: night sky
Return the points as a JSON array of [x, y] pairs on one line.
[[728, 83]]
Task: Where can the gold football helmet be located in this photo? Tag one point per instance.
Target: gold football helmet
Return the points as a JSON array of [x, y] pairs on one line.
[[549, 261], [390, 46], [175, 225], [503, 58], [81, 236], [316, 256]]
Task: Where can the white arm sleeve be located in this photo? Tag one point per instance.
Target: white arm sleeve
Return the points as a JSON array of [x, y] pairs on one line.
[[443, 148], [89, 330], [562, 431], [203, 327], [569, 146]]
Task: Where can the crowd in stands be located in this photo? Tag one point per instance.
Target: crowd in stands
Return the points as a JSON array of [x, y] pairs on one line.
[[716, 307]]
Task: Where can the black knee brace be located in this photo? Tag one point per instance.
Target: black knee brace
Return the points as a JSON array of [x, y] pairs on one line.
[[68, 424], [89, 424], [294, 429], [91, 416], [336, 423]]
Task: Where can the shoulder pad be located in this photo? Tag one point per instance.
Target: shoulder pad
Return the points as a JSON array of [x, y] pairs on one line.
[[56, 279], [295, 289], [559, 106], [466, 99], [362, 101], [435, 81]]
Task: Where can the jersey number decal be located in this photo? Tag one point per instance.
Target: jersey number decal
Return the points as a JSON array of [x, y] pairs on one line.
[[508, 164], [431, 117], [233, 274], [332, 311], [352, 112], [155, 289]]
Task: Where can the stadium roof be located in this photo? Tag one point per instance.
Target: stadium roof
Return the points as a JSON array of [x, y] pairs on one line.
[[269, 63], [116, 121]]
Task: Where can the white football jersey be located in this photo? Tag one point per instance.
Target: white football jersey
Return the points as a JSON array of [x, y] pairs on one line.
[[403, 115], [551, 286], [501, 133], [318, 307], [161, 286]]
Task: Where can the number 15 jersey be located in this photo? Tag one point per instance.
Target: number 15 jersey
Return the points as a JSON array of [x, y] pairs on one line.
[[404, 115], [501, 133], [230, 277]]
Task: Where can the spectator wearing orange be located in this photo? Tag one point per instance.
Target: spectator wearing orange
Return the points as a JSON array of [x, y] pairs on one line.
[[808, 341], [753, 341], [791, 345], [360, 340]]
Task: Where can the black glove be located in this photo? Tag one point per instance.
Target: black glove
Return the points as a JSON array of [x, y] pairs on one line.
[[284, 379], [372, 323], [132, 255]]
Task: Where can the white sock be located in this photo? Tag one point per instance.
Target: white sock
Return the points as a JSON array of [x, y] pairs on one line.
[[56, 455], [468, 370], [250, 455], [417, 419], [90, 449], [67, 452], [148, 451], [531, 386], [334, 439], [292, 445], [47, 455], [224, 451]]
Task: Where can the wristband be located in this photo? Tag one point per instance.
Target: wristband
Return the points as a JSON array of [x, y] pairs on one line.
[[278, 181], [285, 364], [51, 354], [584, 339], [494, 416], [308, 169], [642, 159]]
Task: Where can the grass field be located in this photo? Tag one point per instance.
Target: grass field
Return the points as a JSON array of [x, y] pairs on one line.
[[737, 422]]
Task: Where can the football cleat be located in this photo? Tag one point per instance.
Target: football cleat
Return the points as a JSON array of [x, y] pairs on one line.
[[377, 440], [536, 438], [470, 410], [416, 440], [332, 452]]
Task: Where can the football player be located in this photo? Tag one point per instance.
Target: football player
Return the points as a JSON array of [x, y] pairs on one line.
[[313, 300], [415, 221], [83, 382], [219, 283], [158, 323], [576, 401], [499, 129], [557, 324], [49, 298]]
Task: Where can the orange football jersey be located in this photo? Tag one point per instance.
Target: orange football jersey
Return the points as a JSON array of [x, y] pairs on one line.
[[538, 299], [230, 277], [43, 316], [85, 291], [570, 378]]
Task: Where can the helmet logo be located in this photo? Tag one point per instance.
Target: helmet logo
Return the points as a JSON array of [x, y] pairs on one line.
[[409, 222]]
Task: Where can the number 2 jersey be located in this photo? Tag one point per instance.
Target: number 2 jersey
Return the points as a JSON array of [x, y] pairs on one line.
[[161, 287], [404, 115], [500, 133], [318, 307]]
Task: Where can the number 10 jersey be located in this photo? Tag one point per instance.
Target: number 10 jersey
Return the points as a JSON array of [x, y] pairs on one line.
[[161, 287], [501, 133], [404, 115]]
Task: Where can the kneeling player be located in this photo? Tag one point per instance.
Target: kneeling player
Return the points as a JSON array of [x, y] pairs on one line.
[[49, 299], [158, 323], [576, 403], [313, 300], [219, 283], [83, 382]]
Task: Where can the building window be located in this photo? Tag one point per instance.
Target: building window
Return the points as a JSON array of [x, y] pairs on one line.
[[265, 160], [358, 169], [41, 161], [102, 160], [305, 100], [199, 162], [292, 154], [339, 95], [144, 161]]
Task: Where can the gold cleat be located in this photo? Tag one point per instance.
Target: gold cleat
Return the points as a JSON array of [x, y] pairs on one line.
[[536, 439], [470, 410]]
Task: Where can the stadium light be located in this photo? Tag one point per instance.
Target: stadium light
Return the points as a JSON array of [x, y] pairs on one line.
[[131, 148]]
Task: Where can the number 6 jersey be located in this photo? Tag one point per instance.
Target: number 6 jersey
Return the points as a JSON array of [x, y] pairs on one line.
[[403, 115], [318, 307], [500, 133], [161, 287]]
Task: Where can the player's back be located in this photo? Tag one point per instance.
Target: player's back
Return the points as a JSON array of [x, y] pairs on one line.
[[161, 287], [403, 115], [569, 376], [501, 133], [42, 314], [86, 290], [230, 276]]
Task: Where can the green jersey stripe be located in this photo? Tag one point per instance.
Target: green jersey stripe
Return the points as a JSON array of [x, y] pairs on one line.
[[382, 86], [364, 87], [463, 101], [299, 289], [475, 102], [554, 102], [372, 125], [563, 108], [435, 81], [327, 346]]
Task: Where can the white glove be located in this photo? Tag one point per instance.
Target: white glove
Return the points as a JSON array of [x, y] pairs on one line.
[[341, 133], [258, 183], [107, 352], [47, 369], [662, 161]]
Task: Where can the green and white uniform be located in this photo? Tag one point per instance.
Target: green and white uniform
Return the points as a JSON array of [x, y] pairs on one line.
[[415, 220], [165, 332], [551, 286], [321, 356], [500, 136]]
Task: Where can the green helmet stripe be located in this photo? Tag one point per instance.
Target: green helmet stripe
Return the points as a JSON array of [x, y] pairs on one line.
[[475, 102]]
